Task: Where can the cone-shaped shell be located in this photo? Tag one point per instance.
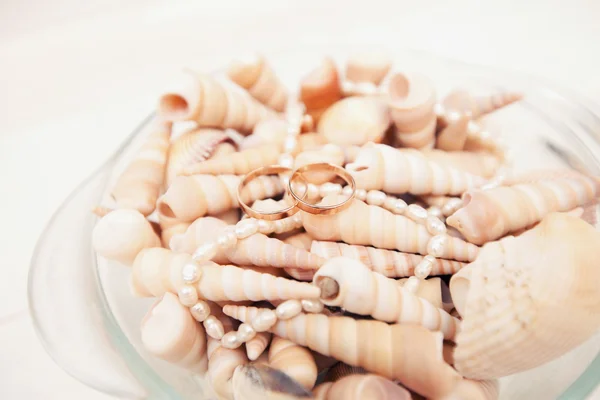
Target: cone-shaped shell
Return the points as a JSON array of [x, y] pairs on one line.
[[320, 88], [294, 360], [192, 197], [171, 333], [376, 168], [490, 214], [364, 386], [349, 284], [302, 240], [390, 263], [435, 291], [257, 345], [170, 227], [256, 76], [374, 226], [370, 68], [121, 234], [259, 381], [201, 231], [239, 163], [476, 163], [222, 363], [477, 106], [528, 300], [329, 153], [409, 354], [157, 271], [212, 103], [139, 185], [355, 121]]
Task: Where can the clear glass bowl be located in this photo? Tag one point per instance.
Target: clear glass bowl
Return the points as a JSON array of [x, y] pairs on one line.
[[89, 322]]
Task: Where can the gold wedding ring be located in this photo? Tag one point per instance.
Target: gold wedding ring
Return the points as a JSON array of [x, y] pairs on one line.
[[321, 209]]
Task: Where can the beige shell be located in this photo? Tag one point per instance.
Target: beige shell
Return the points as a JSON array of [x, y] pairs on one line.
[[330, 153], [412, 101], [369, 225], [469, 389], [479, 139], [435, 291], [230, 217], [341, 370], [239, 163], [170, 227], [349, 284], [476, 163], [294, 360], [201, 231], [409, 354], [370, 68], [490, 214], [320, 88], [268, 131], [360, 387], [453, 136], [191, 147], [302, 240], [376, 168], [528, 300], [171, 333], [256, 76], [257, 345], [258, 381], [476, 106], [192, 197], [157, 271], [121, 234], [390, 263], [222, 363], [139, 185], [355, 121], [212, 103]]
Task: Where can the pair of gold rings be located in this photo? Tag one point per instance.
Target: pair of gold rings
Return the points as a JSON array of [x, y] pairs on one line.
[[298, 202]]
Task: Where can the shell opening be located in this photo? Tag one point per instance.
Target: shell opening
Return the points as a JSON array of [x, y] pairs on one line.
[[174, 105], [329, 287], [166, 210]]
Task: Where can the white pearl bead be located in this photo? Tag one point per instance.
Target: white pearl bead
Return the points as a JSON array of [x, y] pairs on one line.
[[397, 206], [423, 269], [361, 194], [313, 191], [264, 320], [435, 226], [416, 213], [289, 144], [214, 327], [286, 160], [288, 309], [330, 188], [376, 197], [435, 211], [230, 340], [312, 306], [246, 228], [412, 284], [347, 191], [228, 238], [206, 251], [245, 332], [265, 227], [200, 311], [191, 272], [188, 296], [437, 245], [451, 206]]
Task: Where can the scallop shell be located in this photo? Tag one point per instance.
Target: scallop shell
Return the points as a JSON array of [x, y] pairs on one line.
[[528, 300], [370, 68], [171, 333], [435, 291], [476, 106], [121, 234], [259, 381], [320, 88], [355, 121]]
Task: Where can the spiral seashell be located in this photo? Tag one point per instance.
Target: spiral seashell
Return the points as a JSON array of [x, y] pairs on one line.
[[295, 361], [301, 240], [476, 106], [454, 135], [355, 121], [239, 163], [212, 103], [157, 271], [256, 76], [268, 131], [468, 389], [490, 214], [121, 234], [139, 185], [370, 68], [257, 345], [389, 263], [368, 225], [230, 217], [435, 291], [192, 197], [201, 231], [376, 168], [171, 333], [349, 284], [222, 363], [412, 101], [409, 354], [259, 381], [192, 147], [170, 227], [320, 88], [341, 370], [329, 153], [477, 163], [527, 300], [359, 387]]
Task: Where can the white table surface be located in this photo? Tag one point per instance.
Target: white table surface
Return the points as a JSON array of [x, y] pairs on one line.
[[76, 77]]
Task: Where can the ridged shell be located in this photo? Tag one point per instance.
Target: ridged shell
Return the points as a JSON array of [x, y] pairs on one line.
[[294, 360], [121, 234], [302, 240], [341, 370], [370, 67], [390, 263], [477, 106], [171, 333], [355, 121], [222, 363], [239, 163], [476, 163], [320, 88], [170, 227], [528, 300], [257, 345]]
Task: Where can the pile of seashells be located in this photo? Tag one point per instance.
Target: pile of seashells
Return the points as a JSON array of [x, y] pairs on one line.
[[343, 306]]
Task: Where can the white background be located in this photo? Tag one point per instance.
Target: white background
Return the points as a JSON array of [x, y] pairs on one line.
[[77, 76]]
